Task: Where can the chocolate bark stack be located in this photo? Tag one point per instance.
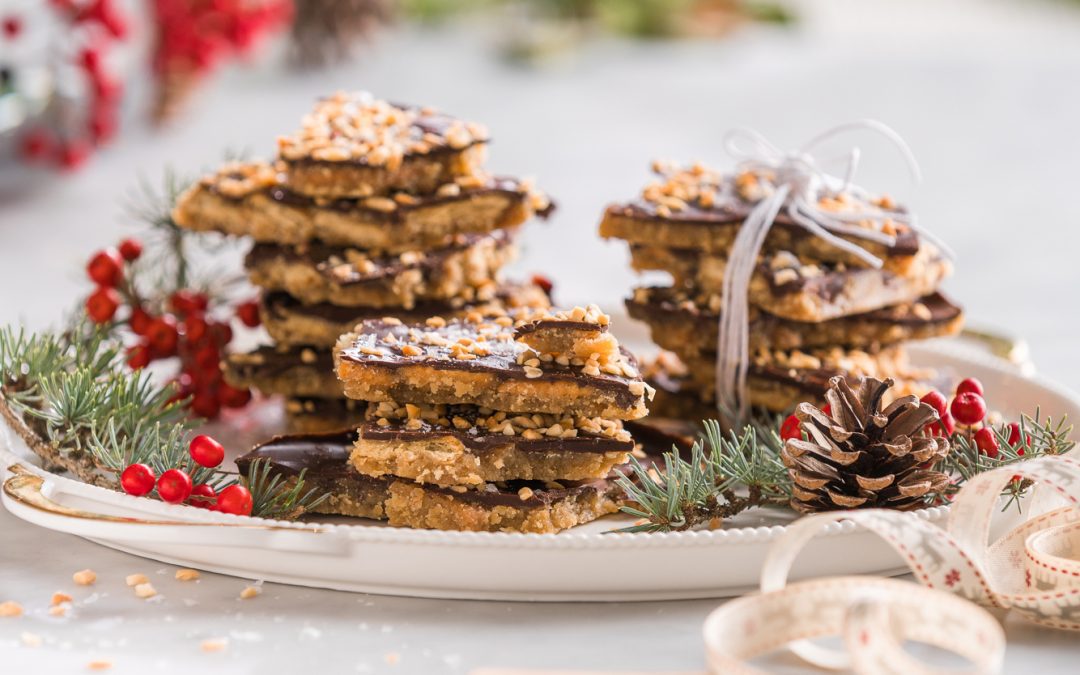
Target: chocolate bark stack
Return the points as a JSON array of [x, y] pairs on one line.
[[370, 210], [815, 310], [489, 423]]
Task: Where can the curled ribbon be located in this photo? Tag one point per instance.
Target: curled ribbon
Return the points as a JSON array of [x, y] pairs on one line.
[[798, 186], [1033, 570]]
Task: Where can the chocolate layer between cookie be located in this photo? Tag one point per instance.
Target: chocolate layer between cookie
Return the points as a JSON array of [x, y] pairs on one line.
[[478, 362], [294, 372], [679, 324], [465, 271]]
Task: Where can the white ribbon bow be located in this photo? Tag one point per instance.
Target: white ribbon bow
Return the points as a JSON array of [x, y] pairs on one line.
[[799, 185]]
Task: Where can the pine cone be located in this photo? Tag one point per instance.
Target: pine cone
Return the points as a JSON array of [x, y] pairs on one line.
[[860, 456]]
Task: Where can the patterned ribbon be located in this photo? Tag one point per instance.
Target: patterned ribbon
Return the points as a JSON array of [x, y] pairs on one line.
[[1033, 570], [798, 186]]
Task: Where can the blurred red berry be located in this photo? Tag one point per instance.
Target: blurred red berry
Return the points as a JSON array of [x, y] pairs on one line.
[[138, 480], [221, 333], [162, 336], [140, 321], [130, 249], [12, 26], [35, 144], [186, 301], [138, 356], [102, 304], [206, 404], [206, 451], [790, 428], [248, 313], [235, 499], [102, 125], [545, 284], [105, 268], [195, 329], [936, 400], [231, 397], [987, 442], [90, 60], [945, 426], [174, 486], [208, 359], [73, 153], [969, 385], [968, 408]]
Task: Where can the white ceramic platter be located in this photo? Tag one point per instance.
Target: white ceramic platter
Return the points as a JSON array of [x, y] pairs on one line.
[[582, 564]]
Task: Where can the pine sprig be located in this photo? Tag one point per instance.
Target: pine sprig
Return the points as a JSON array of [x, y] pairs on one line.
[[705, 489], [274, 497], [727, 474]]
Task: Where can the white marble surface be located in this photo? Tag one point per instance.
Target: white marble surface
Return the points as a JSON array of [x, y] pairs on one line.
[[985, 91]]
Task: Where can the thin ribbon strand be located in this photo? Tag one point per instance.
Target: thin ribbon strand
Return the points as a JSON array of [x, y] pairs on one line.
[[798, 186]]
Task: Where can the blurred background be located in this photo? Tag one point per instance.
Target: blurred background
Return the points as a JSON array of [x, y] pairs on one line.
[[96, 95]]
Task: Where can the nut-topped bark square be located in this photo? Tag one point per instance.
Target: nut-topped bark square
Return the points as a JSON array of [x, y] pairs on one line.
[[479, 361], [353, 144]]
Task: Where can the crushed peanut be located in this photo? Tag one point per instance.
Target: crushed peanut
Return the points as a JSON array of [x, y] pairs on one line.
[[84, 577], [10, 608], [145, 590], [187, 575]]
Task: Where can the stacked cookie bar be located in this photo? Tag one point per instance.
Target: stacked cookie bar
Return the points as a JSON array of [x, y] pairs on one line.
[[371, 209], [508, 423], [815, 310]]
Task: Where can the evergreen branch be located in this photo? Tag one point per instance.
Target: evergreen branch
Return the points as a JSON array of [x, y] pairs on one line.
[[724, 475], [274, 497]]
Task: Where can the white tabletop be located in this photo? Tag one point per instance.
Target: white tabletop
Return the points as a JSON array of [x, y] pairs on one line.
[[984, 91]]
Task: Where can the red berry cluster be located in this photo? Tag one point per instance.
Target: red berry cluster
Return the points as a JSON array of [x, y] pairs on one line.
[[175, 486], [791, 429], [193, 36], [99, 25], [968, 409], [181, 328]]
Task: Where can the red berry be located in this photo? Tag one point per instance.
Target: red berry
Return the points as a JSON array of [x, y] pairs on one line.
[[968, 408], [102, 304], [231, 397], [206, 451], [138, 356], [790, 428], [195, 329], [90, 60], [203, 496], [221, 333], [544, 283], [1014, 433], [206, 404], [182, 388], [235, 499], [140, 321], [987, 442], [102, 124], [186, 301], [105, 268], [969, 385], [36, 144], [130, 249], [137, 479], [73, 153], [162, 336], [174, 486], [208, 359], [248, 313], [945, 426], [936, 400], [12, 27]]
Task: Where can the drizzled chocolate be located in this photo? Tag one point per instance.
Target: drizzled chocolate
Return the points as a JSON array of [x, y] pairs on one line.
[[494, 351]]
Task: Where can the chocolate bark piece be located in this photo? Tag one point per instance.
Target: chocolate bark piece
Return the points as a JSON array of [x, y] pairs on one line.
[[698, 208], [466, 271], [679, 324], [313, 415], [302, 371], [292, 323], [251, 200], [784, 286], [466, 445], [478, 362], [513, 506], [569, 332], [352, 144], [778, 381]]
